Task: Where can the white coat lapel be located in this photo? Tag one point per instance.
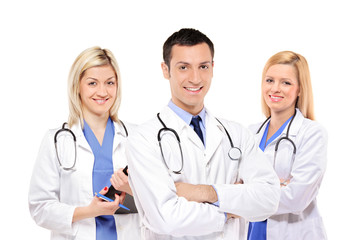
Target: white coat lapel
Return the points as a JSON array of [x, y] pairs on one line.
[[120, 132], [214, 136], [118, 152], [193, 137], [80, 137], [172, 120], [294, 127], [297, 123]]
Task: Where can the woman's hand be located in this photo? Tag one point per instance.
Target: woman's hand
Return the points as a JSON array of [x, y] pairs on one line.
[[284, 182], [231, 215], [98, 207], [102, 207], [119, 181]]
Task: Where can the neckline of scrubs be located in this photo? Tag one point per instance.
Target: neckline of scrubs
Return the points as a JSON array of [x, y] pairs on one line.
[[263, 144], [101, 175], [258, 230]]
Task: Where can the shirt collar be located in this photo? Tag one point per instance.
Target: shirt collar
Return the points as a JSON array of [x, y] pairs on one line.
[[186, 116]]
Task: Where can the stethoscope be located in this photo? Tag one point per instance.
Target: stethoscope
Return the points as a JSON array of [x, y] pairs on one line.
[[234, 153], [64, 129], [286, 137]]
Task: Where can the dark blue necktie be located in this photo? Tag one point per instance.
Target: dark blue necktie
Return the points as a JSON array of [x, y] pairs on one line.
[[196, 127]]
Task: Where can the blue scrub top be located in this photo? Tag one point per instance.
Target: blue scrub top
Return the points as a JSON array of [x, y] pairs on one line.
[[101, 175], [258, 230]]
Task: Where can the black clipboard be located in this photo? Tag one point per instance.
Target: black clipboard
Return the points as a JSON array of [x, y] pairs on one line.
[[129, 201]]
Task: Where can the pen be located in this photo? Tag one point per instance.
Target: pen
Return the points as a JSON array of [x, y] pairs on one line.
[[110, 200]]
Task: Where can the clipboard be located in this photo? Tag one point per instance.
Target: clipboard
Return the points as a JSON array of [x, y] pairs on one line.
[[129, 201]]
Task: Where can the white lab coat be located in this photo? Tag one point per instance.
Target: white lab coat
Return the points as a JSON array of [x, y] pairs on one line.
[[55, 193], [167, 216], [298, 216]]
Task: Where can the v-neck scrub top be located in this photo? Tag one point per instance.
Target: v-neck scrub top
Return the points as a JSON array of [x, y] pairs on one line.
[[258, 230], [102, 172], [55, 193], [298, 216]]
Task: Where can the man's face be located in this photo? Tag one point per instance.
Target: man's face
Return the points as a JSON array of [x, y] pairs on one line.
[[190, 76]]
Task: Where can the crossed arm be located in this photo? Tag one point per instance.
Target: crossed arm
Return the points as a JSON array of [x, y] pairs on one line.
[[197, 193], [200, 193]]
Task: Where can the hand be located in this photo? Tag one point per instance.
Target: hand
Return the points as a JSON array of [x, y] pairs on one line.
[[119, 181], [284, 182], [239, 182], [102, 207], [198, 193], [231, 215], [98, 207]]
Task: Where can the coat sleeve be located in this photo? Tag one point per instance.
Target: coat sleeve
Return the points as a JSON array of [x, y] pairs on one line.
[[161, 210], [258, 197], [45, 207], [307, 172]]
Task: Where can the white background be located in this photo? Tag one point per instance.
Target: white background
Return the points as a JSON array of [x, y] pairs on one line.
[[39, 41]]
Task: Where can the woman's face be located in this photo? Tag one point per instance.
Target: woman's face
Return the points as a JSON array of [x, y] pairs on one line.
[[280, 88], [98, 88]]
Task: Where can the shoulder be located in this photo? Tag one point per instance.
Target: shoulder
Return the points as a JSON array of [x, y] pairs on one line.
[[49, 138], [236, 129], [147, 129], [310, 128], [254, 127], [130, 127], [50, 133]]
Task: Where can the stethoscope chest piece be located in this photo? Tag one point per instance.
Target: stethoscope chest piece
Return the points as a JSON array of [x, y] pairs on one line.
[[235, 153]]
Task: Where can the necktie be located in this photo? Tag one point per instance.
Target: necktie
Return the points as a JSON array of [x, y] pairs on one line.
[[196, 127]]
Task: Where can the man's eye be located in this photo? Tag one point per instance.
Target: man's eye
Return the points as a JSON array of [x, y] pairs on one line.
[[204, 67]]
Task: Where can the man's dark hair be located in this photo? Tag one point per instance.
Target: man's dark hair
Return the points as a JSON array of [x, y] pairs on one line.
[[184, 37]]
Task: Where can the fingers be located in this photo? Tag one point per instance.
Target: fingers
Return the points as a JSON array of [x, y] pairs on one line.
[[239, 182], [119, 179], [119, 199], [231, 215], [122, 197], [284, 183], [104, 190]]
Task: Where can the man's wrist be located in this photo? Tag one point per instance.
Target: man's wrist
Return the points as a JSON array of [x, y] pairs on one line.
[[209, 193]]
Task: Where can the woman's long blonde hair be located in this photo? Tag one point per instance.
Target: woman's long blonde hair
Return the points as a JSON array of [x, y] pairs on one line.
[[91, 57], [305, 101]]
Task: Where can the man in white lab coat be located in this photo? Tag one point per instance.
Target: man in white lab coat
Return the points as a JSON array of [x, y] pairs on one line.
[[195, 176]]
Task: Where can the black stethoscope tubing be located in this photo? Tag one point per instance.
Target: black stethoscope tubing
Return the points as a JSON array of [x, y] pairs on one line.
[[234, 153], [65, 129], [286, 137], [165, 128]]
